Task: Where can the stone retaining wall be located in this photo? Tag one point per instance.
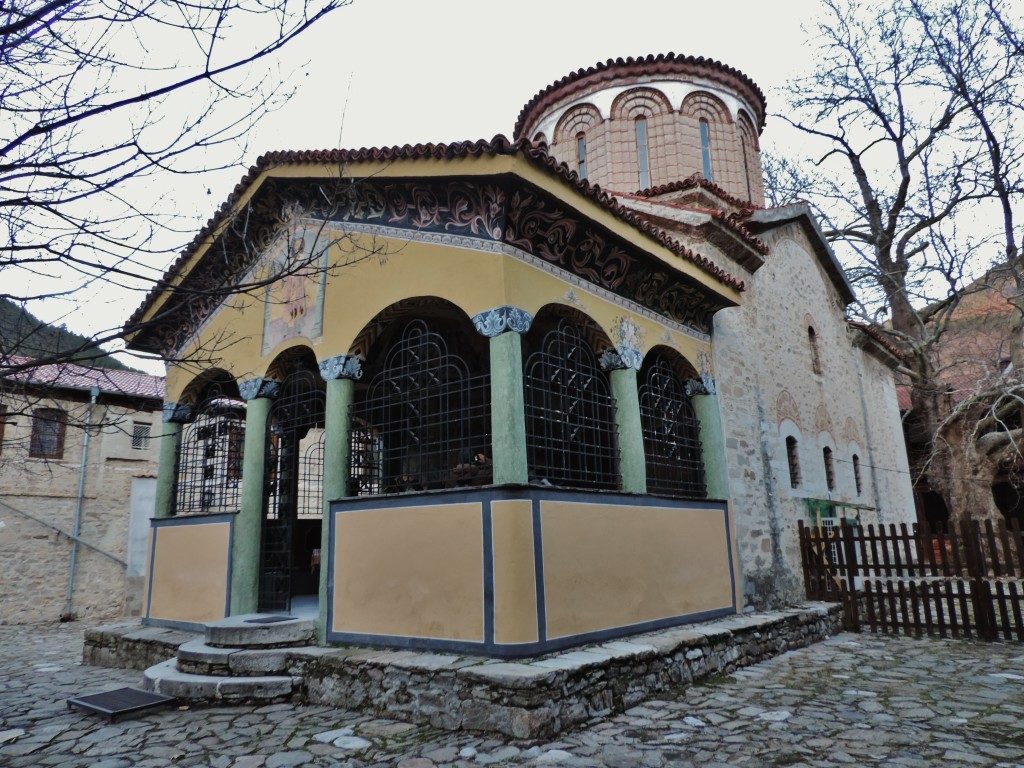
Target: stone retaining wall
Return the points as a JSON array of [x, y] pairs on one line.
[[527, 699], [131, 646]]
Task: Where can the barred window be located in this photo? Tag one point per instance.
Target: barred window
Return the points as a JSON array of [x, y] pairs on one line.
[[48, 428], [672, 449], [140, 436], [570, 417], [830, 470], [793, 457], [210, 456], [423, 420]]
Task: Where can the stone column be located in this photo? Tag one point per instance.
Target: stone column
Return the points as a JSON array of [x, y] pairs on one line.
[[245, 551], [622, 365], [504, 327], [712, 440], [340, 373], [175, 414]]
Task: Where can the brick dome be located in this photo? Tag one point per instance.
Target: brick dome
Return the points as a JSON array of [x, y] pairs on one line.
[[634, 124]]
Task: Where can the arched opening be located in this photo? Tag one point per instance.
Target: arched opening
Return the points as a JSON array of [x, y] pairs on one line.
[[793, 459], [421, 414], [812, 342], [581, 154], [570, 419], [672, 448], [209, 462], [934, 510], [705, 150], [293, 486], [643, 155], [830, 469]]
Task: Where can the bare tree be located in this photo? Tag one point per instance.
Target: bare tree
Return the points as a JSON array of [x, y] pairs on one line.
[[913, 111], [100, 97]]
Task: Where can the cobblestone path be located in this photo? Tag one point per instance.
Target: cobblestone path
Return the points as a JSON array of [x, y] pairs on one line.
[[853, 700]]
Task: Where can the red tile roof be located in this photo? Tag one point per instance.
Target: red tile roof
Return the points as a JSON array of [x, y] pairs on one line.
[[498, 146], [695, 181], [880, 337], [80, 377], [660, 64]]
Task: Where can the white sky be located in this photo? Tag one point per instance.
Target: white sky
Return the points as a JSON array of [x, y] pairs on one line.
[[458, 69]]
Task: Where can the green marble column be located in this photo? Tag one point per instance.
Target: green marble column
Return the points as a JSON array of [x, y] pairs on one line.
[[508, 419], [245, 551], [340, 373], [504, 327], [712, 443], [167, 473], [632, 463]]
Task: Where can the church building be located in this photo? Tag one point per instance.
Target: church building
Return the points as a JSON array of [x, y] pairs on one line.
[[504, 396]]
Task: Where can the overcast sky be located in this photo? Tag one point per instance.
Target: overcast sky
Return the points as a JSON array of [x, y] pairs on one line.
[[383, 72]]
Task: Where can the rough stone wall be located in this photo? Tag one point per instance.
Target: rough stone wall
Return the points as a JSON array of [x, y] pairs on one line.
[[768, 391], [35, 557], [673, 134]]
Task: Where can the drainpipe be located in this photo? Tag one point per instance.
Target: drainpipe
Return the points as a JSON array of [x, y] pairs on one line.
[[94, 393]]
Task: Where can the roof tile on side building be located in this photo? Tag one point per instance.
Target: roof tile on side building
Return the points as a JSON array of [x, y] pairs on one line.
[[80, 377]]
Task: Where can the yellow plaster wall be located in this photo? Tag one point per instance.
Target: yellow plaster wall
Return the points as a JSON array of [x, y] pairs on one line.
[[410, 571], [472, 280], [189, 570], [610, 565], [515, 583]]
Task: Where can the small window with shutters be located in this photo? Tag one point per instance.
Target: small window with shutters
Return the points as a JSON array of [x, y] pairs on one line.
[[48, 428]]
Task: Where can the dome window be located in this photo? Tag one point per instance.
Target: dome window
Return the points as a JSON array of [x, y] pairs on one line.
[[705, 149], [581, 154], [642, 156]]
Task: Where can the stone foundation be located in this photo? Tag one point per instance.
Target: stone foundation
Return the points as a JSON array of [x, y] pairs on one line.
[[528, 699]]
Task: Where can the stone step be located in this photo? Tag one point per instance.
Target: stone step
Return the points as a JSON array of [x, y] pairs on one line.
[[167, 679], [260, 630], [197, 657]]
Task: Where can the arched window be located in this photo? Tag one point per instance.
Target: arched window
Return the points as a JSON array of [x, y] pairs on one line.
[[570, 420], [422, 421], [856, 474], [705, 149], [812, 341], [643, 159], [830, 470], [210, 454], [581, 154], [793, 457], [672, 449]]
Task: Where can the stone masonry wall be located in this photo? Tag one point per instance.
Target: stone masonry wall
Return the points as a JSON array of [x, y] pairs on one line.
[[768, 391], [35, 556]]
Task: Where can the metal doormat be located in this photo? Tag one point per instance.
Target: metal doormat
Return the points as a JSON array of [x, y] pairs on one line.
[[269, 619], [119, 702]]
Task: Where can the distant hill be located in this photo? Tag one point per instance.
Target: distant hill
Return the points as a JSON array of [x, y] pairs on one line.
[[22, 333]]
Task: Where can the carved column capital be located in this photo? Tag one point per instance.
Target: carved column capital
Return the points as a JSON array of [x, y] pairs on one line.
[[177, 413], [253, 388], [623, 357], [341, 367], [493, 322]]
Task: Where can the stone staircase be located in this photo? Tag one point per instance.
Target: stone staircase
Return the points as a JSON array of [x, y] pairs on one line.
[[248, 658]]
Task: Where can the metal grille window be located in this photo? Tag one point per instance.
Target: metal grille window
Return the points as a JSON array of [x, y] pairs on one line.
[[830, 470], [140, 436], [210, 457], [570, 417], [48, 428], [672, 449], [423, 421], [793, 457]]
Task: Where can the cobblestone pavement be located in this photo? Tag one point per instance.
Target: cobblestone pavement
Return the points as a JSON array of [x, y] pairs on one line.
[[852, 700]]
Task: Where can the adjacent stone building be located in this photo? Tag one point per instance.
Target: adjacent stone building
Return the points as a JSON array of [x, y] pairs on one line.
[[506, 397], [74, 513]]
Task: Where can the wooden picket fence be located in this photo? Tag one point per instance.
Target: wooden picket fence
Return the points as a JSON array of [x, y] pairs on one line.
[[965, 581]]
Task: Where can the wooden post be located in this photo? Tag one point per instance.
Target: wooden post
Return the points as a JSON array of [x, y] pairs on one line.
[[850, 558]]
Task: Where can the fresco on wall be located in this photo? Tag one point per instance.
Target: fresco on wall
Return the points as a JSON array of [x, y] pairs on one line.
[[294, 302]]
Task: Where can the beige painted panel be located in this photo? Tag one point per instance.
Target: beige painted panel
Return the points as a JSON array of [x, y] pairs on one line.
[[190, 572], [410, 571], [611, 565], [515, 582]]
